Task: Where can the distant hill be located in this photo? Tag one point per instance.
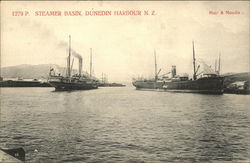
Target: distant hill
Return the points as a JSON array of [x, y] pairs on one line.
[[233, 77], [42, 71], [30, 71]]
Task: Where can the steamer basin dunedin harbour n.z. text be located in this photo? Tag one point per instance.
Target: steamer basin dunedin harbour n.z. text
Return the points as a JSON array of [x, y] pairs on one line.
[[94, 13]]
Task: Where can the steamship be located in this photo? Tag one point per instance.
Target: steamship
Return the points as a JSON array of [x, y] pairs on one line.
[[70, 82], [208, 83], [149, 83]]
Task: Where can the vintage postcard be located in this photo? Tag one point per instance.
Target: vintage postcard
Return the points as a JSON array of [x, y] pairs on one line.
[[125, 81]]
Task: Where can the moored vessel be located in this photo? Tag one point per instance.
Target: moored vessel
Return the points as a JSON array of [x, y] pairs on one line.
[[151, 83], [207, 83], [23, 83]]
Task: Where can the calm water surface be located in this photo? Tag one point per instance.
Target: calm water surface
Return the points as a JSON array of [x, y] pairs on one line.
[[122, 124]]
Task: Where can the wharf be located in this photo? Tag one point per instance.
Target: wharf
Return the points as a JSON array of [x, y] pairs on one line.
[[5, 158]]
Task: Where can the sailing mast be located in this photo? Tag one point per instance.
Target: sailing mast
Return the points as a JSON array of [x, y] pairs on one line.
[[194, 63], [90, 68], [219, 66], [102, 78], [215, 66], [156, 76], [69, 71]]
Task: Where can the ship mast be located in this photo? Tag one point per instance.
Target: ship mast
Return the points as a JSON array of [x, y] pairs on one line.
[[156, 76], [102, 78], [219, 66], [194, 63], [215, 66], [69, 71], [90, 68]]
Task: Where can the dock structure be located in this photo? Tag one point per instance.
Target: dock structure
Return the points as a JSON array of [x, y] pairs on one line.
[[6, 158]]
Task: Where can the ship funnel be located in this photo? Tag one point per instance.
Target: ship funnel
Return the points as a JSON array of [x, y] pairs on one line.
[[79, 57], [173, 71], [80, 66]]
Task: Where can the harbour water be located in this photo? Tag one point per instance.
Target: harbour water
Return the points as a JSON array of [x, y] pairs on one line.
[[123, 124]]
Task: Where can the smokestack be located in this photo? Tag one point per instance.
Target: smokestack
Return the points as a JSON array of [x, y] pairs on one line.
[[173, 71], [79, 57], [80, 66]]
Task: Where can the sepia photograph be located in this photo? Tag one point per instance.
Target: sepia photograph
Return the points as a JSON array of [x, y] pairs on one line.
[[125, 82]]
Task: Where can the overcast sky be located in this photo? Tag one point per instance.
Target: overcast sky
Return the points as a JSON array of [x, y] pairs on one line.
[[123, 46]]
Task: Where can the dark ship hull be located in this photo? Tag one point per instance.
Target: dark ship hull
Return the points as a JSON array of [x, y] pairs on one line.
[[72, 86], [12, 83], [74, 83], [148, 84], [111, 85], [209, 85]]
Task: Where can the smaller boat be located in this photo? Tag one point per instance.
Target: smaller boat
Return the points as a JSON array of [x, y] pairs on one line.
[[238, 87], [104, 82]]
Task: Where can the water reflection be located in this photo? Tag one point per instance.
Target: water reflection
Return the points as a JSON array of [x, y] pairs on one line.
[[121, 124], [217, 134]]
